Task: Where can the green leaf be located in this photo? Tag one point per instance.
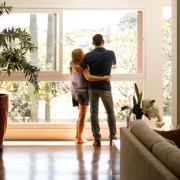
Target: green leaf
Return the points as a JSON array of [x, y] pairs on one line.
[[134, 101], [137, 91], [152, 102], [125, 107], [139, 99]]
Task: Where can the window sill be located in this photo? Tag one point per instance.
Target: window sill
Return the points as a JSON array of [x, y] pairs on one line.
[[58, 126]]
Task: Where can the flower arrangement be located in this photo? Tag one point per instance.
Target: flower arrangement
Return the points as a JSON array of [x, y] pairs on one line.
[[148, 108]]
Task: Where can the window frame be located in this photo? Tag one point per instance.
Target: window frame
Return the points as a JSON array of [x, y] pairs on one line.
[[54, 76]]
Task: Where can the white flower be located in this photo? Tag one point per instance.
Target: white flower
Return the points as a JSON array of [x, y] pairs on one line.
[[152, 111]]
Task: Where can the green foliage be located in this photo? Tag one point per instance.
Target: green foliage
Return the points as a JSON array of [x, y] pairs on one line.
[[129, 20], [13, 58], [19, 96], [4, 8], [7, 36]]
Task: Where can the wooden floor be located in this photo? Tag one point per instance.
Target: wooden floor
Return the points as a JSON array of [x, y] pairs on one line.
[[58, 161]]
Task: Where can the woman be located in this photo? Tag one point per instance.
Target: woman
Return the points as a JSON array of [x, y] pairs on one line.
[[80, 93]]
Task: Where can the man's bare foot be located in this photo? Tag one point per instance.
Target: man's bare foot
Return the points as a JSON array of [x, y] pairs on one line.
[[76, 138], [81, 141]]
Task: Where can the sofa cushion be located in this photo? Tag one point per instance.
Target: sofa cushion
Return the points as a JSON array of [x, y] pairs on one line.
[[169, 155], [145, 134], [173, 135]]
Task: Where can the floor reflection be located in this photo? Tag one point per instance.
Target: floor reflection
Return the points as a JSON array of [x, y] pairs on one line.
[[2, 168], [54, 162], [80, 159]]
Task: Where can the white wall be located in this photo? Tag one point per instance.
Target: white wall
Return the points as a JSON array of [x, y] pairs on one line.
[[153, 33], [86, 3]]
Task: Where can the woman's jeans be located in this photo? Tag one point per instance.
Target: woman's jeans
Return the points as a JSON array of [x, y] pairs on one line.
[[106, 97]]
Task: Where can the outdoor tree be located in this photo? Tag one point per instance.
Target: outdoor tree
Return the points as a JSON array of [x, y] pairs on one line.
[[34, 60], [49, 66]]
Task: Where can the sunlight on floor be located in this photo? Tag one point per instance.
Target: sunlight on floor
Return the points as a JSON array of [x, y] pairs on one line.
[[49, 143]]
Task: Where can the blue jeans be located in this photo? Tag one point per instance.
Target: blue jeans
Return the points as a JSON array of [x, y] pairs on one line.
[[106, 97]]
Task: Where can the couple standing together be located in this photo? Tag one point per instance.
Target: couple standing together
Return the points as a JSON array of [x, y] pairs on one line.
[[90, 86]]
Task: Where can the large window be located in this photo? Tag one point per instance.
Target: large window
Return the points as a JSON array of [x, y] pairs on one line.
[[56, 33]]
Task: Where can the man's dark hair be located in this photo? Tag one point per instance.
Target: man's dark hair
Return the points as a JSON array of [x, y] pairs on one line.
[[98, 39]]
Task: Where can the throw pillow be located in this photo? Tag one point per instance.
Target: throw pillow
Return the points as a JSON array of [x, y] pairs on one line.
[[173, 135]]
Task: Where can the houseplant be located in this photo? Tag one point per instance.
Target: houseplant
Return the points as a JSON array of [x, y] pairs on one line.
[[148, 108], [12, 58]]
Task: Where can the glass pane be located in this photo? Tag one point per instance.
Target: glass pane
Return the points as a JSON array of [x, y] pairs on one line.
[[41, 29], [53, 104], [167, 66], [119, 29]]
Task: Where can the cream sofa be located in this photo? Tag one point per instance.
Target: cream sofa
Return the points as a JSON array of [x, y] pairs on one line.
[[145, 155]]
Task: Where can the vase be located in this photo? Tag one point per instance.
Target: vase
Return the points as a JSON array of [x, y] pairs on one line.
[[139, 116], [3, 117]]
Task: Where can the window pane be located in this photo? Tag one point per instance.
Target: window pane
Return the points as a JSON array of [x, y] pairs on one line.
[[119, 29], [167, 66], [41, 29], [53, 104]]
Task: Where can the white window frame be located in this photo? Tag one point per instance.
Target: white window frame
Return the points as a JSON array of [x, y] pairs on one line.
[[55, 76]]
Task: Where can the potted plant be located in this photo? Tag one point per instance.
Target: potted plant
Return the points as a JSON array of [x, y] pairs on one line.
[[13, 59], [148, 109]]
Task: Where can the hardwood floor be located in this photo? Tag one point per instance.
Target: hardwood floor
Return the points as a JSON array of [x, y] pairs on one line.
[[58, 161]]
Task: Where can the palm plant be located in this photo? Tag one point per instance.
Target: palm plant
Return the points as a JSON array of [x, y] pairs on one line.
[[13, 58]]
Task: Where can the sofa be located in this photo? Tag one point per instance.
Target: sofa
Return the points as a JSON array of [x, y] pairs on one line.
[[145, 155]]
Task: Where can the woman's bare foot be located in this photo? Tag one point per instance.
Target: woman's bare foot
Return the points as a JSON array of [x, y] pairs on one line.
[[81, 141], [76, 138]]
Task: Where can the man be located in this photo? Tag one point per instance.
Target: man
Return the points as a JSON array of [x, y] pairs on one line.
[[100, 62]]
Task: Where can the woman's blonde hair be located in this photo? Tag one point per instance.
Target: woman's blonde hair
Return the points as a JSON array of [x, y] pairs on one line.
[[76, 56]]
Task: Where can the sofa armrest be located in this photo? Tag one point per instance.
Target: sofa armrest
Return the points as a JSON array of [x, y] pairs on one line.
[[137, 162]]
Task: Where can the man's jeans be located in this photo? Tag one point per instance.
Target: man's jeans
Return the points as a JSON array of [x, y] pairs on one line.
[[107, 100]]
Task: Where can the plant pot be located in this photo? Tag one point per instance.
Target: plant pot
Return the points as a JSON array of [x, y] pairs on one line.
[[139, 115], [3, 117]]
